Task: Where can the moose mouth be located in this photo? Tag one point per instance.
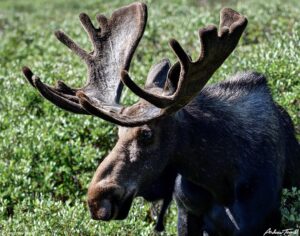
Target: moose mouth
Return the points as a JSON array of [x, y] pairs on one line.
[[113, 210], [124, 208]]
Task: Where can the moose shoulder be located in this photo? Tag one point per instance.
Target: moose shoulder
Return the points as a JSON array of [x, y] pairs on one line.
[[232, 147]]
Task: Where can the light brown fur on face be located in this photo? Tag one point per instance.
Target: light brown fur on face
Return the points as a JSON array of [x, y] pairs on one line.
[[104, 188], [136, 159]]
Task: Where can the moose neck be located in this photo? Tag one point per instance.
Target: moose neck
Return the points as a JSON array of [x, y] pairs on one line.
[[204, 150]]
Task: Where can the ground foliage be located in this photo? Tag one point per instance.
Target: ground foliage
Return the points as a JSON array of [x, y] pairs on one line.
[[48, 156]]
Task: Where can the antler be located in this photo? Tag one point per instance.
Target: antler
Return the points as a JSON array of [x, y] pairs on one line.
[[194, 75], [185, 78], [114, 44], [167, 89]]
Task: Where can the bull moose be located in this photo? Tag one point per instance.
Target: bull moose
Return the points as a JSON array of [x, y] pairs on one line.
[[231, 146]]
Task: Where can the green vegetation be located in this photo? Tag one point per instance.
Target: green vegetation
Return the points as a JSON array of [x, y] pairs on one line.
[[48, 156]]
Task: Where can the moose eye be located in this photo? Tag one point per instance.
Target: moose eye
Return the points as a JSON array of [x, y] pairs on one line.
[[146, 136]]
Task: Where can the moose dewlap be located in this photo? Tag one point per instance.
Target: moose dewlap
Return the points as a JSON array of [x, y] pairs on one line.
[[225, 151]]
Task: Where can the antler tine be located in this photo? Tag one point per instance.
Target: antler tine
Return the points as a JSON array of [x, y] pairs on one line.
[[89, 27], [65, 101], [62, 87], [66, 40], [103, 22], [28, 75]]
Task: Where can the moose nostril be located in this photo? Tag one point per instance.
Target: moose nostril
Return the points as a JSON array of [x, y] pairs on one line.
[[102, 210], [105, 210]]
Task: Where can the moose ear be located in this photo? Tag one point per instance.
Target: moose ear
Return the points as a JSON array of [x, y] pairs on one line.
[[158, 74]]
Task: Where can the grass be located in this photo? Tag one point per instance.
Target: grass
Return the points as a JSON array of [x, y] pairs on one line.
[[48, 156]]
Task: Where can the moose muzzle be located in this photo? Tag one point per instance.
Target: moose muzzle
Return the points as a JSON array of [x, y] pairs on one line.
[[109, 202], [102, 210]]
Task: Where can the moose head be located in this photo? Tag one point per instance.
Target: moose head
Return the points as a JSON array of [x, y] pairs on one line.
[[149, 131]]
